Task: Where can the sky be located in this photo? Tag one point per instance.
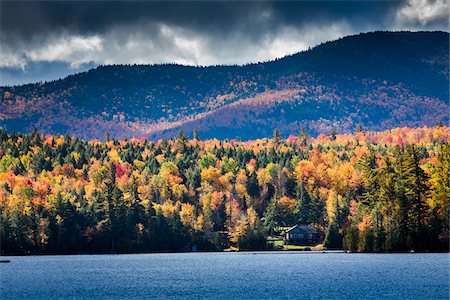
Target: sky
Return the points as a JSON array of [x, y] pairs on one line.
[[46, 40]]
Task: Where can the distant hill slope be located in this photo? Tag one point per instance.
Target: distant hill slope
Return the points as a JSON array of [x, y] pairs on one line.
[[379, 79]]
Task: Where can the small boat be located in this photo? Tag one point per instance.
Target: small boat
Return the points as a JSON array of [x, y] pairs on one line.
[[5, 261]]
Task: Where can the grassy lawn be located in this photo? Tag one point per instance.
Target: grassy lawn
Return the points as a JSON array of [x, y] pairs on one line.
[[278, 244], [231, 249], [296, 247]]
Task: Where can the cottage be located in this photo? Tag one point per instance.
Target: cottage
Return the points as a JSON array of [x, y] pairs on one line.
[[302, 235]]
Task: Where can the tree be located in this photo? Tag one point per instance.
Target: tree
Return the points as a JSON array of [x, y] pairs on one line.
[[351, 239], [195, 134], [333, 239], [303, 209], [160, 232], [333, 134], [115, 212], [107, 139], [270, 216], [417, 191], [181, 141], [68, 232], [360, 128], [440, 195], [277, 136], [303, 137]]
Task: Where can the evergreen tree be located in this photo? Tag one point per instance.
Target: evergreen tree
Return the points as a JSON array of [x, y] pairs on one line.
[[303, 137], [440, 195], [416, 191], [195, 135], [333, 239], [303, 209], [360, 128], [107, 138], [277, 136], [181, 141], [333, 134]]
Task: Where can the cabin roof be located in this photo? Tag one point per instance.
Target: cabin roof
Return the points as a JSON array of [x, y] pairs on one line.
[[306, 228]]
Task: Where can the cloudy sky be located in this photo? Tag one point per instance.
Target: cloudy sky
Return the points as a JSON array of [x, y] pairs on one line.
[[44, 40]]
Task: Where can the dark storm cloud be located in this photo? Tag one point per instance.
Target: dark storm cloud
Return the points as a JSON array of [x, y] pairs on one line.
[[318, 11], [25, 19], [76, 34]]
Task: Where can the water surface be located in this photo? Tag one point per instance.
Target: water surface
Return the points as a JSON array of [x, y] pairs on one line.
[[288, 275]]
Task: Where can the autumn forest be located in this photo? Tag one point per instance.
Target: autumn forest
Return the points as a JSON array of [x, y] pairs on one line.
[[367, 191]]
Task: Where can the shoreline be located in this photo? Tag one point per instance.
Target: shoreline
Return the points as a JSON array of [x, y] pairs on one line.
[[331, 251]]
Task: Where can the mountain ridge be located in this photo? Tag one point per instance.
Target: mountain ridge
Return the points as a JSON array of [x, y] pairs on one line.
[[378, 79]]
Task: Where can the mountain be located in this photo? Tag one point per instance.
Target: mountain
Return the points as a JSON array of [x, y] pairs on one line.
[[380, 80]]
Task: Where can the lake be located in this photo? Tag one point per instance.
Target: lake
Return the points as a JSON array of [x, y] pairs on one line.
[[244, 275]]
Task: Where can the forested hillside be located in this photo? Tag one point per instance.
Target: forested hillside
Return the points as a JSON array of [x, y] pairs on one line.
[[381, 80], [367, 191]]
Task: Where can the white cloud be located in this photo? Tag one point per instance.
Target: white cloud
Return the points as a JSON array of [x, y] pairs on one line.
[[422, 12], [292, 40], [75, 50], [11, 60], [161, 43]]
